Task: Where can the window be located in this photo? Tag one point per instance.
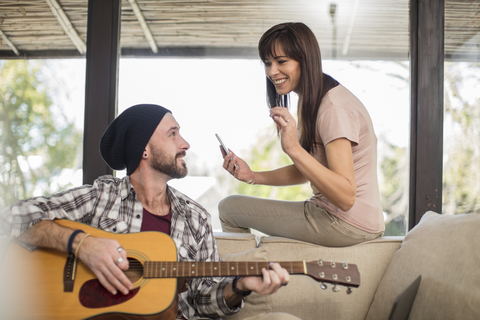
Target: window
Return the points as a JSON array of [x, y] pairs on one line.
[[207, 71], [365, 47], [461, 170], [41, 127]]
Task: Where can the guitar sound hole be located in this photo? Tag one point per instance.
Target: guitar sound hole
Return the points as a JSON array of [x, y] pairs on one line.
[[135, 270]]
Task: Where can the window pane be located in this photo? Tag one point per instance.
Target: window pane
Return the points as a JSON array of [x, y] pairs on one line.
[[364, 46], [461, 172], [41, 127]]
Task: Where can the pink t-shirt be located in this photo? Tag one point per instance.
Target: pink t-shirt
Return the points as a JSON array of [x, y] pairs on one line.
[[342, 115]]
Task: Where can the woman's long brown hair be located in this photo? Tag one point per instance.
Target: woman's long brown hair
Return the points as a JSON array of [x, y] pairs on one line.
[[298, 43]]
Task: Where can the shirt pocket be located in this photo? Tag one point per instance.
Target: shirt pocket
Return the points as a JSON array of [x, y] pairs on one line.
[[114, 226]]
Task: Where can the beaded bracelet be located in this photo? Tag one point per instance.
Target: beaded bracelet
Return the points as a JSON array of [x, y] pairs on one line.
[[70, 240], [238, 291]]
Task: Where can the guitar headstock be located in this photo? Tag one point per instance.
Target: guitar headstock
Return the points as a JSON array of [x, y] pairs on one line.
[[334, 272]]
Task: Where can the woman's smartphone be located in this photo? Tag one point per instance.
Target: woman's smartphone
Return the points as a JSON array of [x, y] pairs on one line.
[[224, 147], [222, 144]]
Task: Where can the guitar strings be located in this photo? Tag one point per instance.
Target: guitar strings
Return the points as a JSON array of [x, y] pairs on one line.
[[136, 266]]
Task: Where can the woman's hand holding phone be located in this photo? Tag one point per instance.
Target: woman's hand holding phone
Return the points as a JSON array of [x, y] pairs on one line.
[[224, 148], [235, 165]]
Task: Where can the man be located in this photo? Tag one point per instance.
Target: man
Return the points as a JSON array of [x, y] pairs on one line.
[[145, 140]]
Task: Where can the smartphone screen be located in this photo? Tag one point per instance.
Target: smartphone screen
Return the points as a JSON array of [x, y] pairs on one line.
[[221, 143]]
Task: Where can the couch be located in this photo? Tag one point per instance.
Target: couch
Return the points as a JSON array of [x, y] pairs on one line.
[[443, 249]]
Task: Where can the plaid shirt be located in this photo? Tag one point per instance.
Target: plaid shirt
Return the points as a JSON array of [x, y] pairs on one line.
[[111, 204]]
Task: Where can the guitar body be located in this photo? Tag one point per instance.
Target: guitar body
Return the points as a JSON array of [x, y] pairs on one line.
[[31, 283]]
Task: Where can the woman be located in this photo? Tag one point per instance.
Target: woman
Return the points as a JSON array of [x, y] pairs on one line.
[[333, 147]]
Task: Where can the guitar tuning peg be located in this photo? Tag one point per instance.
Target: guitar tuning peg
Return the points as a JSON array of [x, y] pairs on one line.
[[335, 288], [349, 290], [323, 286]]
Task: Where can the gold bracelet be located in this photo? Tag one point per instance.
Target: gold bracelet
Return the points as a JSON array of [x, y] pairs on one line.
[[81, 241]]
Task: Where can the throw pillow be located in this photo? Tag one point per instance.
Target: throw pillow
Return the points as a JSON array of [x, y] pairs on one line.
[[444, 250]]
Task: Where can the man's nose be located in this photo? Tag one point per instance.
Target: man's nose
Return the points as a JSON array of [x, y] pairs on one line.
[[185, 144]]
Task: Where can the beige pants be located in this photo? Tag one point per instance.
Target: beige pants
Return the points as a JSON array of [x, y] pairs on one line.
[[300, 220]]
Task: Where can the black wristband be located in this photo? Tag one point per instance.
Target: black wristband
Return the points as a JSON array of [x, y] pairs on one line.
[[238, 291], [70, 240]]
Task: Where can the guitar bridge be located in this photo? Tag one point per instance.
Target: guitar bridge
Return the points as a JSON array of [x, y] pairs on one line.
[[69, 273]]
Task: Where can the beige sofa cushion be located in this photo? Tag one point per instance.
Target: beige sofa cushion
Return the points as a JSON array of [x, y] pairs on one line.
[[444, 250], [231, 243], [254, 301], [304, 298]]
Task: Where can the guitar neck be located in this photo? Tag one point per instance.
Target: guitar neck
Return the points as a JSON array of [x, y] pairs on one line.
[[174, 269]]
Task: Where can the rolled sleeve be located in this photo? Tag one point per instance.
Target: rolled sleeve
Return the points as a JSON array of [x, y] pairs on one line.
[[205, 298], [71, 204]]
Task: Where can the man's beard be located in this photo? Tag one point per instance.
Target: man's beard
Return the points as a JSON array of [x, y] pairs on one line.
[[168, 165]]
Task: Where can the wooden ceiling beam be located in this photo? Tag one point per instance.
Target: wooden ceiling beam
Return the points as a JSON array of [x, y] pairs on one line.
[[351, 23], [143, 23], [67, 25], [9, 43]]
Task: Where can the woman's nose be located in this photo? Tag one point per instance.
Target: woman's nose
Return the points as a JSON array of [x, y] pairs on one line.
[[272, 70]]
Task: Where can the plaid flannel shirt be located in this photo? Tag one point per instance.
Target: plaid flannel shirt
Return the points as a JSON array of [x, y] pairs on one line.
[[111, 204]]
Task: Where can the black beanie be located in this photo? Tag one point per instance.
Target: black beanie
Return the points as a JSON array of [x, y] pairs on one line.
[[125, 139]]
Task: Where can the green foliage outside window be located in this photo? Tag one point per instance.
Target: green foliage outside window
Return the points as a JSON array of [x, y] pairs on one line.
[[38, 140], [268, 155], [461, 173]]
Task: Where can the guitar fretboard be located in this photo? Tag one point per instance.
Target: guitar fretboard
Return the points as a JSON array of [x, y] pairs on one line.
[[174, 269]]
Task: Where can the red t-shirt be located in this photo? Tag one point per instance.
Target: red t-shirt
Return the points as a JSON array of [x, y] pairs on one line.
[[153, 222]]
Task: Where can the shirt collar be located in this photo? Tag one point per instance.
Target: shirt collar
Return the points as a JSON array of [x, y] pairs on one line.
[[126, 188], [177, 202]]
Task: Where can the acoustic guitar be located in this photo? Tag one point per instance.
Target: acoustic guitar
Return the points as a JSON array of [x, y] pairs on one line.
[[43, 285]]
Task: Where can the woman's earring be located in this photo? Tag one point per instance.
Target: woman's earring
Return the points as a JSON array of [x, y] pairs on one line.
[[144, 154]]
